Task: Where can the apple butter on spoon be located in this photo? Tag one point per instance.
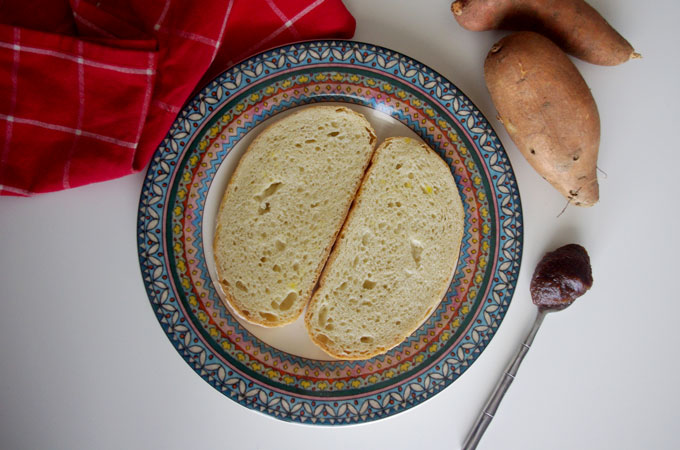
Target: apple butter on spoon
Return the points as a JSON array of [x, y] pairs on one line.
[[560, 278]]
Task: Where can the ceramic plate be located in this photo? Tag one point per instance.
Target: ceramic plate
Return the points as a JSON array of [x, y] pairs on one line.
[[279, 371]]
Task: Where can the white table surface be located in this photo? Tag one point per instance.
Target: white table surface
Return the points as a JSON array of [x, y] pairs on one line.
[[84, 363]]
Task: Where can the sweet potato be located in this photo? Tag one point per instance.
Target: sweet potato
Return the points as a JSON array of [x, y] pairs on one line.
[[549, 112], [572, 24]]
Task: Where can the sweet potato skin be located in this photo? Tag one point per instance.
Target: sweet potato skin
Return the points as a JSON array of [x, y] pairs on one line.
[[549, 112], [574, 25]]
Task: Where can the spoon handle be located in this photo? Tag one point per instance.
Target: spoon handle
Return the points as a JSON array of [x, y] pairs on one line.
[[502, 386]]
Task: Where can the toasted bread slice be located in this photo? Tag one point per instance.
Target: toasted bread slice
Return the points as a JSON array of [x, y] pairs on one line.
[[395, 256], [283, 208]]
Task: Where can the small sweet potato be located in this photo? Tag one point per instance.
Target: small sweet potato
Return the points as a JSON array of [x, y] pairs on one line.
[[549, 112], [572, 24]]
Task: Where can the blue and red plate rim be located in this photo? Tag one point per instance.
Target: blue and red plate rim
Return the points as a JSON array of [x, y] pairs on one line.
[[334, 411]]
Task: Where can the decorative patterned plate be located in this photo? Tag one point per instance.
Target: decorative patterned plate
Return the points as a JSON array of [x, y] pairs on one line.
[[278, 371]]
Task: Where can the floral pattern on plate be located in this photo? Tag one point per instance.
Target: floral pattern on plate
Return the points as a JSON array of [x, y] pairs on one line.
[[175, 269]]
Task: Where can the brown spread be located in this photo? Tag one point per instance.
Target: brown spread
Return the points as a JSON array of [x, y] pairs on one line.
[[561, 277]]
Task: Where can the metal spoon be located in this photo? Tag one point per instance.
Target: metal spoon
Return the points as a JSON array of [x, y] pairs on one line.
[[560, 278]]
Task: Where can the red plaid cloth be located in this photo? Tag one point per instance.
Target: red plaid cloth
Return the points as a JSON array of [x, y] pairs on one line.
[[87, 92]]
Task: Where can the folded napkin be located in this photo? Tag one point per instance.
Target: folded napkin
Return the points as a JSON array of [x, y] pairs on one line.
[[88, 90]]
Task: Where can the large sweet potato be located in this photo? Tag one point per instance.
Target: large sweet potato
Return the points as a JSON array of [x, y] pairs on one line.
[[572, 24], [549, 112]]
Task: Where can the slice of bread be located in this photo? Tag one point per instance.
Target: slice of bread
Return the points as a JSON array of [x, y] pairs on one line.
[[395, 256], [283, 208]]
